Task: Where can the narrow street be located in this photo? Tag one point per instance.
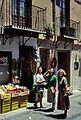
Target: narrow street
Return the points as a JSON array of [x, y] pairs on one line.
[[74, 113]]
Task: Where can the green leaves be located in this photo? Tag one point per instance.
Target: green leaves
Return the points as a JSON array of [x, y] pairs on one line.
[[35, 54], [49, 32]]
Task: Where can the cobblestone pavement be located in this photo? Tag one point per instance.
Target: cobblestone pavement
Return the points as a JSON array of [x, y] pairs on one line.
[[74, 113]]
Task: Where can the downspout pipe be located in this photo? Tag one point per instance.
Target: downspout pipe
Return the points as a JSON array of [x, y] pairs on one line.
[[54, 17], [54, 30]]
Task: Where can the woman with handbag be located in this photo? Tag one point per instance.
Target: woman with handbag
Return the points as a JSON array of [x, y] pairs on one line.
[[63, 97]]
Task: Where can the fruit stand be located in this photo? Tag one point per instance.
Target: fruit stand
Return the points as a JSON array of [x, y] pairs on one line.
[[12, 97]]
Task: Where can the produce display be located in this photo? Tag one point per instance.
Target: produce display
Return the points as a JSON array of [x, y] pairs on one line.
[[12, 97], [10, 89]]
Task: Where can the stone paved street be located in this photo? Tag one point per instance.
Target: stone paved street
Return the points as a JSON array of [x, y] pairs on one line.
[[31, 113]]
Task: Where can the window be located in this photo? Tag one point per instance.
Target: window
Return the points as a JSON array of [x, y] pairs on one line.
[[62, 12], [20, 12], [22, 8], [18, 7], [14, 7], [62, 7]]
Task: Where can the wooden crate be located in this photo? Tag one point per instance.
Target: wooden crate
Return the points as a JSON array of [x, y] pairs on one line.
[[0, 105], [14, 103], [23, 101], [5, 104]]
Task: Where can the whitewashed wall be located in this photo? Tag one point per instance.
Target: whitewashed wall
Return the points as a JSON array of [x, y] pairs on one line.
[[74, 74], [14, 46]]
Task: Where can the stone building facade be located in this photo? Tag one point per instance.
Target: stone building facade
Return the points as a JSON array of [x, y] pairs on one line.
[[24, 23]]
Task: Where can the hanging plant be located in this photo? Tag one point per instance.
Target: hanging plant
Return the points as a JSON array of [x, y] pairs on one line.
[[49, 32], [35, 55], [53, 62]]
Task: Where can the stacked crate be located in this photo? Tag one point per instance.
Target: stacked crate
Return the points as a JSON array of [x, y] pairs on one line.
[[5, 104], [0, 104], [14, 102], [23, 101]]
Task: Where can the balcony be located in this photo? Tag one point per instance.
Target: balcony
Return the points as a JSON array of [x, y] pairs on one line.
[[30, 19], [34, 19], [68, 27]]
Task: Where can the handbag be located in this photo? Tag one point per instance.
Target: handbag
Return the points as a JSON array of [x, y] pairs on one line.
[[46, 86]]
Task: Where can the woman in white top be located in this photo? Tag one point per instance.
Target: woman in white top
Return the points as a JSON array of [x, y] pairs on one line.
[[40, 86]]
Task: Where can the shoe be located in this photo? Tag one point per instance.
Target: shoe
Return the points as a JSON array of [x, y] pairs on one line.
[[65, 114], [51, 109], [41, 106], [35, 105]]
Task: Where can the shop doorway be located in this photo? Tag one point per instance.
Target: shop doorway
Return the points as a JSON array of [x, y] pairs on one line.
[[26, 66], [64, 62]]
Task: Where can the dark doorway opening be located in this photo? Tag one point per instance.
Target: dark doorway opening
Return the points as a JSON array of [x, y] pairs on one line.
[[26, 66], [64, 62]]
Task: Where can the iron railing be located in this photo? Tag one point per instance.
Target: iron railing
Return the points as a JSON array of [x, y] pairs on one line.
[[19, 15], [34, 19], [68, 27]]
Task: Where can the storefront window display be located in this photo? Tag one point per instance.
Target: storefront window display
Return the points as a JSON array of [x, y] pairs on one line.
[[5, 67], [15, 63]]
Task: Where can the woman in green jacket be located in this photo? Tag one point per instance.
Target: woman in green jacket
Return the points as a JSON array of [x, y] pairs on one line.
[[51, 83]]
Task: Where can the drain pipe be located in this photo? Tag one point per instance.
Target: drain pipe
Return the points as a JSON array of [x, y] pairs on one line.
[[54, 24], [54, 17], [54, 50]]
